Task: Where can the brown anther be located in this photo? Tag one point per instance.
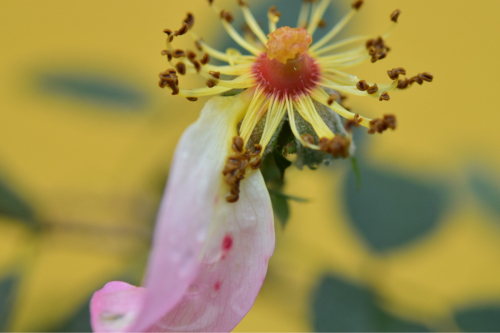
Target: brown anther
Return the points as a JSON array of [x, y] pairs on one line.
[[197, 66], [337, 146], [232, 198], [178, 53], [238, 143], [354, 122], [332, 98], [395, 72], [167, 53], [384, 97], [255, 164], [257, 150], [362, 85], [373, 89], [357, 4], [390, 121], [205, 59], [224, 14], [184, 28], [403, 84], [181, 68], [192, 99], [189, 20], [198, 45], [274, 11], [377, 48], [169, 78], [322, 23], [210, 2], [215, 75], [191, 55], [167, 31], [426, 76], [380, 125], [377, 125], [242, 3], [210, 83], [395, 15], [308, 138], [416, 79], [236, 165]]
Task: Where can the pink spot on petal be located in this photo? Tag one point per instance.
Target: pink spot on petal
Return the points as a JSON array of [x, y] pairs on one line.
[[217, 285], [227, 242]]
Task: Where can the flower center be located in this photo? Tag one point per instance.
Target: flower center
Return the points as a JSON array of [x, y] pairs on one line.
[[286, 69]]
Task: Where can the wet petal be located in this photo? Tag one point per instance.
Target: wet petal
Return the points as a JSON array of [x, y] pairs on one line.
[[209, 257]]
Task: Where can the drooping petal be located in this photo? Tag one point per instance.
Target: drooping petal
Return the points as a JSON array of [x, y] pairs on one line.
[[209, 257]]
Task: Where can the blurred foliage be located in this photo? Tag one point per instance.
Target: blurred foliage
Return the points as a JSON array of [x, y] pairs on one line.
[[8, 288], [390, 210], [54, 150], [12, 204], [85, 87], [342, 306], [485, 187], [484, 318], [78, 322]]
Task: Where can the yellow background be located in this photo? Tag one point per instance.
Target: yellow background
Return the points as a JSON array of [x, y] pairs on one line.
[[92, 171]]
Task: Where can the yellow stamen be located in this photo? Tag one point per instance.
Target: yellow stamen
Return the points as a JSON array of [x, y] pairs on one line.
[[293, 126], [317, 16], [273, 119], [252, 23], [335, 30], [303, 15]]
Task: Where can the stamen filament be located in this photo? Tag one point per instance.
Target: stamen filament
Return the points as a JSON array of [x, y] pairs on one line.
[[221, 55], [353, 90], [349, 78], [361, 50], [321, 96], [335, 30], [229, 70], [240, 40], [254, 26], [293, 126], [311, 116], [304, 14], [241, 82], [205, 91], [317, 16], [273, 19], [339, 44], [254, 113], [273, 119]]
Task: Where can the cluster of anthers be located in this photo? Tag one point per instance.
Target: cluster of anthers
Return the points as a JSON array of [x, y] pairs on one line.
[[286, 75]]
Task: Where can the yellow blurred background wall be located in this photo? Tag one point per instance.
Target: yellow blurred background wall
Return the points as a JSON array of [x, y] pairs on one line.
[[86, 138]]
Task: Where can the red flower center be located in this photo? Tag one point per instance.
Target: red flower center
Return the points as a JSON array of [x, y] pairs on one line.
[[286, 69]]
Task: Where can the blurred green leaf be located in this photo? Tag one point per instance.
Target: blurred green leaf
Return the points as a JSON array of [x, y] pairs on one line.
[[355, 170], [94, 88], [390, 210], [281, 208], [479, 319], [7, 296], [13, 205], [78, 322], [486, 190], [340, 306], [281, 162]]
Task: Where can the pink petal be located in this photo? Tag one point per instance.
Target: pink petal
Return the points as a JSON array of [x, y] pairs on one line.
[[209, 257]]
